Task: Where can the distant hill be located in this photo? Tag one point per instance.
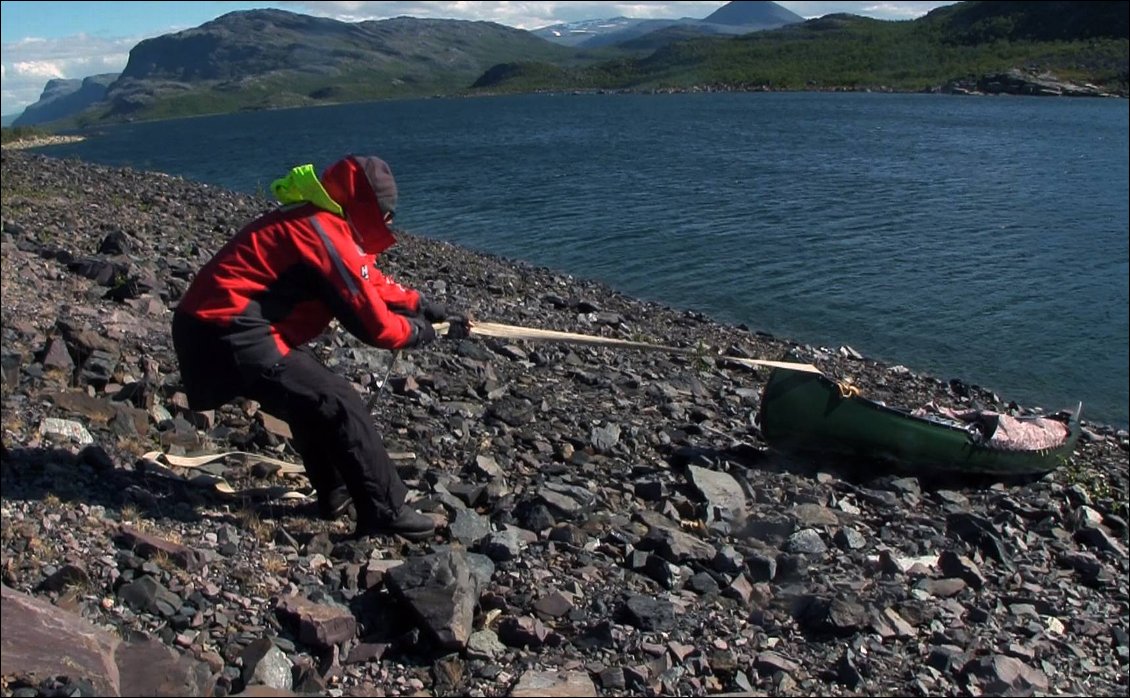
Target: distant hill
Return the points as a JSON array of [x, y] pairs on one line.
[[733, 18], [265, 59], [1006, 20], [64, 97], [1074, 48], [269, 59]]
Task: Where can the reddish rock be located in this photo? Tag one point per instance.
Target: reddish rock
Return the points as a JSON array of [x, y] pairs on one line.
[[150, 546], [318, 624], [42, 640]]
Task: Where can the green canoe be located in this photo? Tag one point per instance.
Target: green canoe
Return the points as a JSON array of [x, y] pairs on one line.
[[808, 412]]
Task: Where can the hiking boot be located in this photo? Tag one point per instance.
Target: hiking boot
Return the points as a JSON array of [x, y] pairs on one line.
[[336, 504], [409, 523]]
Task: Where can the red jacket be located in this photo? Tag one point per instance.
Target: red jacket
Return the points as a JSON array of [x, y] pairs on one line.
[[280, 281]]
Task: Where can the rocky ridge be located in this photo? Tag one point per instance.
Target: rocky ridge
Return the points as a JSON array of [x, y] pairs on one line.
[[611, 521]]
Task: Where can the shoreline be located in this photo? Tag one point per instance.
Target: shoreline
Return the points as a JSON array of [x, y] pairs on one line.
[[989, 86], [41, 141], [596, 509], [1110, 424]]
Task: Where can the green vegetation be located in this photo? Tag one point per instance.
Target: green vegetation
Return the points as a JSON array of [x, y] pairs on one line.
[[269, 59], [22, 133], [839, 51], [524, 76], [1097, 486]]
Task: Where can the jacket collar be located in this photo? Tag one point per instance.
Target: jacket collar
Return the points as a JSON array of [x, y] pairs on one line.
[[343, 190]]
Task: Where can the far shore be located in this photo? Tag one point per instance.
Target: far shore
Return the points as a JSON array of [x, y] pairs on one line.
[[40, 141], [1001, 87]]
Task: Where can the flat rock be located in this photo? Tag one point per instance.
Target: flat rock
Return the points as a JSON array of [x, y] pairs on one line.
[[555, 684]]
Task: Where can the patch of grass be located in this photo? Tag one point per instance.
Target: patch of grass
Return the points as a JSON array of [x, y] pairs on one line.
[[15, 134], [701, 357], [262, 530], [1095, 483], [161, 559], [276, 565], [17, 195], [137, 446], [37, 547]]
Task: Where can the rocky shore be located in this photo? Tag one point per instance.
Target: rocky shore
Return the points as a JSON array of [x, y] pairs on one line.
[[40, 141], [611, 522]]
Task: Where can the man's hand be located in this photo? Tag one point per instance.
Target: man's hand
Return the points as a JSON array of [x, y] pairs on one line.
[[422, 333], [459, 324], [433, 312]]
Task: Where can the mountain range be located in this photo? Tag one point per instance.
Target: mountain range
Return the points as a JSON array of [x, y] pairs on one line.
[[264, 59], [269, 59], [732, 18], [64, 97]]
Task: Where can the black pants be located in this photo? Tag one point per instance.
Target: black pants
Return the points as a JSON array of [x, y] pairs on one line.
[[333, 432], [332, 428]]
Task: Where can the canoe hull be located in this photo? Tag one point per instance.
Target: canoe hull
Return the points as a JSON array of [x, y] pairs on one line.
[[808, 412]]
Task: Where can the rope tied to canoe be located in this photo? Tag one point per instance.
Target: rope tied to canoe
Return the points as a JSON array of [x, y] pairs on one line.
[[501, 331], [847, 389]]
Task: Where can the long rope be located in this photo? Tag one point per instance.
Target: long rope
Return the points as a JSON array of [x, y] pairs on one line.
[[495, 329]]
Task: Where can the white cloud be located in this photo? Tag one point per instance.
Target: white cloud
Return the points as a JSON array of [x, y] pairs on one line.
[[534, 15], [29, 63], [37, 69], [877, 10], [523, 15]]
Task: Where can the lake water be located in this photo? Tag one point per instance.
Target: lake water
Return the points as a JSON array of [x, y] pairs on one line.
[[980, 238]]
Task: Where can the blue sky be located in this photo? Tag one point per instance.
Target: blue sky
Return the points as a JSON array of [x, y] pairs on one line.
[[45, 40]]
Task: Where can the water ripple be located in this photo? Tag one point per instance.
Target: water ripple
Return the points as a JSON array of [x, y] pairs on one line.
[[977, 238]]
